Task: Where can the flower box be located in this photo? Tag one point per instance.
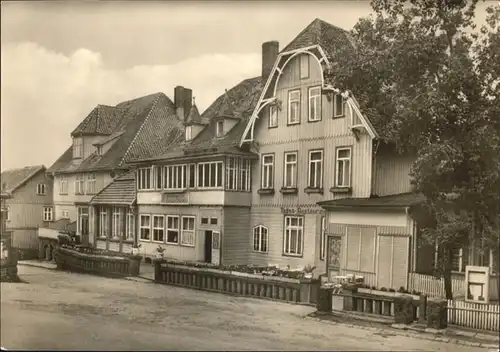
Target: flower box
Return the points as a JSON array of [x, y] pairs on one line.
[[386, 293]]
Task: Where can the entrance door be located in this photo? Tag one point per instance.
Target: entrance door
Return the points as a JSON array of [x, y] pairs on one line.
[[208, 246], [334, 251], [84, 225]]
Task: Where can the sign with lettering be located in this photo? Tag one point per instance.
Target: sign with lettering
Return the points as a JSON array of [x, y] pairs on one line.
[[300, 210], [175, 198]]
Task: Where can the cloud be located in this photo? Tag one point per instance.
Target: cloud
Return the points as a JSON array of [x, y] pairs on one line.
[[45, 94]]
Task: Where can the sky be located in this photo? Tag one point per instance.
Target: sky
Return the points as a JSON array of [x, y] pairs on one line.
[[60, 59]]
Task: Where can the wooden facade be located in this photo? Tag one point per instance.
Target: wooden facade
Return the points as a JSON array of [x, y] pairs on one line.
[[329, 131], [26, 210]]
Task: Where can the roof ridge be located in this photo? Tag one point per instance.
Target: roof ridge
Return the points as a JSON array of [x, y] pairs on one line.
[[24, 167], [140, 129]]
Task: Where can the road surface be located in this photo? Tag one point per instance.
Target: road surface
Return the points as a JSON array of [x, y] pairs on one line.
[[58, 310]]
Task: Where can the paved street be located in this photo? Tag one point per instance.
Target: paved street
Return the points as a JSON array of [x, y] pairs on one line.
[[57, 310]]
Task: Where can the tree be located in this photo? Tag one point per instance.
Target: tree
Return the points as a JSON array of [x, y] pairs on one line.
[[432, 81]]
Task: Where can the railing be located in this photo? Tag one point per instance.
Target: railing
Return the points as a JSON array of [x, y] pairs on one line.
[[474, 315], [71, 260], [303, 291]]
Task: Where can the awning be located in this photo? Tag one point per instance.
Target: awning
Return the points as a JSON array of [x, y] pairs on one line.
[[395, 201]]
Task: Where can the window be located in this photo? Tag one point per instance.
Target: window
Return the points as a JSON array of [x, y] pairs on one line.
[[158, 177], [7, 213], [145, 227], [175, 177], [293, 107], [273, 116], [338, 105], [40, 189], [187, 235], [361, 248], [245, 174], [290, 174], [268, 171], [130, 226], [213, 221], [188, 133], [158, 228], [63, 185], [47, 214], [294, 228], [79, 184], [144, 178], [459, 258], [91, 184], [204, 221], [232, 173], [322, 238], [315, 104], [103, 222], [65, 214], [304, 66], [117, 224], [172, 229], [210, 174], [99, 149], [77, 148], [315, 174], [260, 238], [343, 167], [192, 176], [219, 128]]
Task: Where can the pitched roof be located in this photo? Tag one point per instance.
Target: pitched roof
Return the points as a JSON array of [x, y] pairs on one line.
[[194, 116], [146, 126], [14, 178], [121, 191], [101, 120], [392, 201], [239, 102], [322, 33]]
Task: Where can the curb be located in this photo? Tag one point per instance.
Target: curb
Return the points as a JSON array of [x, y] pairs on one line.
[[409, 333]]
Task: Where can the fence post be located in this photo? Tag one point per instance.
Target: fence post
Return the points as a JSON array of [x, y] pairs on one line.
[[403, 309], [422, 309], [437, 313], [157, 273], [324, 300], [349, 290]]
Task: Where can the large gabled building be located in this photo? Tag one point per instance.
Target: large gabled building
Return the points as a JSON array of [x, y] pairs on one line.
[[101, 146]]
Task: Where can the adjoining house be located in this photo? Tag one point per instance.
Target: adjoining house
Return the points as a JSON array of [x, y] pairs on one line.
[[194, 200], [102, 144], [29, 206]]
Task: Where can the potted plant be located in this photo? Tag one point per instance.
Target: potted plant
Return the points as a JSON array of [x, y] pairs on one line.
[[308, 271], [160, 252], [135, 249]]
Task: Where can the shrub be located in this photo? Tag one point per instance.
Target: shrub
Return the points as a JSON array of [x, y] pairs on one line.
[[374, 287], [383, 289], [392, 290], [402, 289]]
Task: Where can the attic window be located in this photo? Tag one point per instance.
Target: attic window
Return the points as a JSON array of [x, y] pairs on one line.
[[219, 128], [188, 133], [99, 149], [77, 147], [304, 66]]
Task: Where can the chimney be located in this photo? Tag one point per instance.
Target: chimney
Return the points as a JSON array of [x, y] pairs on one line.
[[270, 51], [183, 100]]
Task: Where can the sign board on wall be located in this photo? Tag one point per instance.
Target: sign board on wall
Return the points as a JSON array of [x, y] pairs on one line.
[[477, 280], [300, 210]]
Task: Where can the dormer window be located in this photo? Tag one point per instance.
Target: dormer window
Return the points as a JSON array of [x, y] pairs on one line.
[[219, 128], [338, 105], [188, 133], [99, 149], [77, 148]]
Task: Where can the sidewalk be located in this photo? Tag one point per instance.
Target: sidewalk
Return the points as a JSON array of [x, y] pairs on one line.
[[385, 326]]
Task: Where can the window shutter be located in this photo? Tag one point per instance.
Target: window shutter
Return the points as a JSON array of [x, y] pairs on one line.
[[367, 249]]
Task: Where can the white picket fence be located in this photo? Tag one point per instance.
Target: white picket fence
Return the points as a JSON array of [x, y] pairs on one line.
[[434, 287], [474, 315]]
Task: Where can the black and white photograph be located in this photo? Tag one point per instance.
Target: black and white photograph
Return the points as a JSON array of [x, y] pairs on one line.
[[250, 175]]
